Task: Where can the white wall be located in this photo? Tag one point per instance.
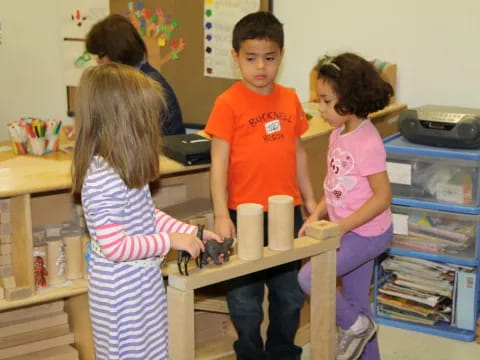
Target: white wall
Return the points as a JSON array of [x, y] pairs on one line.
[[31, 62], [434, 43]]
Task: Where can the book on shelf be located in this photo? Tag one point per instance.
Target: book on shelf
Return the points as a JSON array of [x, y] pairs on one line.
[[417, 290], [426, 292], [465, 300]]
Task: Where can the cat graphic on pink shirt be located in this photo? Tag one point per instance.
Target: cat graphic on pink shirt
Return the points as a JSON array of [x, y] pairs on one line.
[[340, 164]]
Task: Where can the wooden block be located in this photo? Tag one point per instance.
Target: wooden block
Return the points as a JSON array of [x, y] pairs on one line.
[[5, 238], [2, 293], [51, 209], [303, 247], [18, 293], [5, 229], [210, 326], [8, 282], [216, 304], [31, 311], [5, 270], [35, 341], [4, 205], [6, 259], [198, 220], [322, 229], [26, 325], [5, 217], [5, 249], [64, 352]]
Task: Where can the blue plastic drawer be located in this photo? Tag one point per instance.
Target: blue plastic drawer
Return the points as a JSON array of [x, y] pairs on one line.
[[429, 175], [438, 233]]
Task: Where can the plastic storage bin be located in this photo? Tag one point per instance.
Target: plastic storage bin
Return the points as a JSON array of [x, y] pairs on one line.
[[433, 177], [464, 302], [438, 234]]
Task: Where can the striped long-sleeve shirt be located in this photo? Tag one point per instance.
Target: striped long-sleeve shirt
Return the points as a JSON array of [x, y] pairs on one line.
[[124, 222], [127, 302]]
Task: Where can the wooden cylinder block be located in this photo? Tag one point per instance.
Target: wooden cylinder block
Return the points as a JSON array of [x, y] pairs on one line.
[[73, 252], [250, 231], [55, 261], [280, 222]]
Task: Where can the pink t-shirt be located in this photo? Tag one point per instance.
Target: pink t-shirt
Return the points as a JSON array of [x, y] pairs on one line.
[[351, 158]]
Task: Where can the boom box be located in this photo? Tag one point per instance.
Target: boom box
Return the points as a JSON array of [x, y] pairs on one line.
[[437, 125]]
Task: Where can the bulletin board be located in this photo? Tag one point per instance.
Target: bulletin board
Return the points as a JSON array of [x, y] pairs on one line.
[[183, 65]]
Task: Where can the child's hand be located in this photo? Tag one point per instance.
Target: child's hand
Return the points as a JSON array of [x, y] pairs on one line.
[[210, 235], [187, 242], [224, 227], [309, 220]]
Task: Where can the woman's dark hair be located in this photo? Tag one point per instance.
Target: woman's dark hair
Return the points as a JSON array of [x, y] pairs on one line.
[[359, 88], [118, 39], [256, 26]]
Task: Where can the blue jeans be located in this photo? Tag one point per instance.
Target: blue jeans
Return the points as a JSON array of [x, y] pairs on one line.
[[245, 297]]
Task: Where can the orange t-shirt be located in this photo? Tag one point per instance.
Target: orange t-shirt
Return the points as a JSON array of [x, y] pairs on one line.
[[262, 132]]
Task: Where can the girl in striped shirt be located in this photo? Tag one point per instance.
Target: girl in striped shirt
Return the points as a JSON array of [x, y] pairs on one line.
[[116, 157]]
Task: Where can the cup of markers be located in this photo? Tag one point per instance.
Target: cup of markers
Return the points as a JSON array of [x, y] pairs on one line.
[[34, 136]]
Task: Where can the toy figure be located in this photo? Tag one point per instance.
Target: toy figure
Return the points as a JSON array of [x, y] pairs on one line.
[[184, 257], [40, 272], [213, 250]]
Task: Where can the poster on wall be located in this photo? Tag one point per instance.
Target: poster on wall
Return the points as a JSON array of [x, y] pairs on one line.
[[158, 29], [78, 16], [220, 16]]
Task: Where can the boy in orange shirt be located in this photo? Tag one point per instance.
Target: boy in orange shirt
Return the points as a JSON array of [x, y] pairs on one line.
[[256, 152]]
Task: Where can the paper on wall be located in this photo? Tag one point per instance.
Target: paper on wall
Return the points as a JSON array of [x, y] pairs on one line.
[[220, 16]]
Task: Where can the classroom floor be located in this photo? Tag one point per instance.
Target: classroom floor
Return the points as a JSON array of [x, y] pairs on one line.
[[399, 344]]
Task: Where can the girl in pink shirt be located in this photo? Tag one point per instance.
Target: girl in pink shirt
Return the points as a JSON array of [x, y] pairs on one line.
[[357, 193]]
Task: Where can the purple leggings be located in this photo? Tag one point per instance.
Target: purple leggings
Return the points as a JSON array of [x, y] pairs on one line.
[[355, 258]]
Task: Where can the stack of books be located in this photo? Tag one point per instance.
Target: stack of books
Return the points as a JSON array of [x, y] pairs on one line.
[[417, 290]]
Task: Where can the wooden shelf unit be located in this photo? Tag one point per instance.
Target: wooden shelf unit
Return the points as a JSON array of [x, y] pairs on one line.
[[39, 192]]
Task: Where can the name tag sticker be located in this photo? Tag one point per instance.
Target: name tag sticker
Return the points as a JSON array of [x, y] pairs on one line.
[[399, 173], [272, 126], [400, 224]]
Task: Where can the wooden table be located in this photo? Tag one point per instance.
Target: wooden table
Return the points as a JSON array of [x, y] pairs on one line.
[[180, 294]]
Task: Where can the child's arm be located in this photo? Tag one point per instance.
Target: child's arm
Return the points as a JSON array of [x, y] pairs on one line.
[[117, 246], [303, 179], [320, 212], [165, 223], [220, 154], [380, 200], [170, 233]]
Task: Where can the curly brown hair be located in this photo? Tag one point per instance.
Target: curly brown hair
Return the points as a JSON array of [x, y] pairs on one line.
[[357, 84]]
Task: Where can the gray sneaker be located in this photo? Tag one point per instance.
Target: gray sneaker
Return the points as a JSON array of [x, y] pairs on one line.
[[350, 345]]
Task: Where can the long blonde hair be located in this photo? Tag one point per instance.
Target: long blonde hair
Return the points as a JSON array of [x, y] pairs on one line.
[[116, 117]]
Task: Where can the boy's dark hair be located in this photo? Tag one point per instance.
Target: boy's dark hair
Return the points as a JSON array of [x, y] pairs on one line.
[[257, 25], [118, 39], [359, 88]]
